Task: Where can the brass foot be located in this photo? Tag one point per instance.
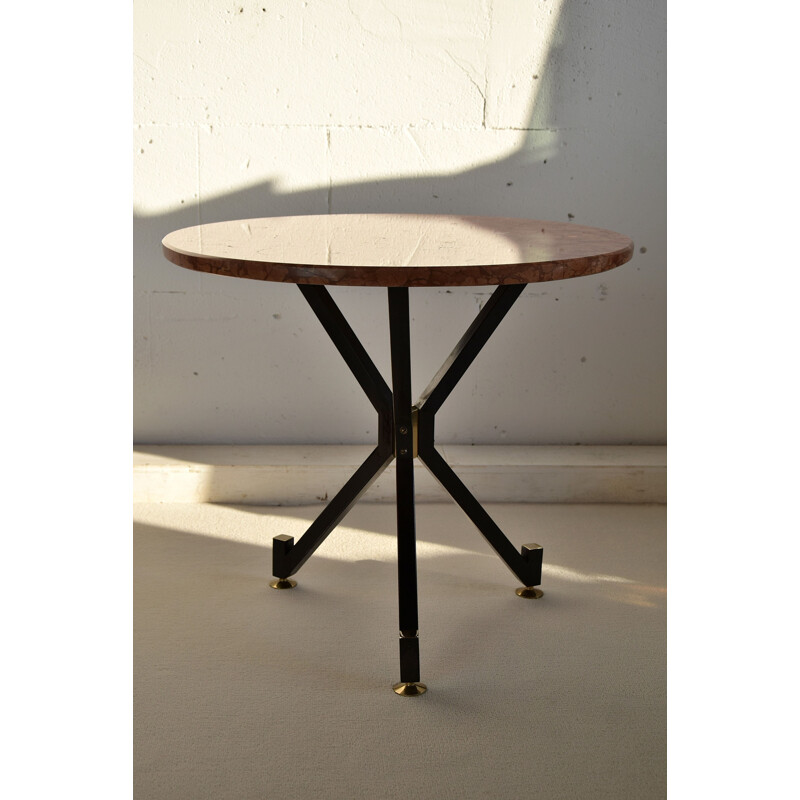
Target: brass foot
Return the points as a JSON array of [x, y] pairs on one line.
[[283, 583], [530, 592], [410, 689]]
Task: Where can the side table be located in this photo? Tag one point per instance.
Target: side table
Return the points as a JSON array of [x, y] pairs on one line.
[[399, 251]]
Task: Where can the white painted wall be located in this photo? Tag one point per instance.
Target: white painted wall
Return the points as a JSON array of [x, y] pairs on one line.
[[553, 109]]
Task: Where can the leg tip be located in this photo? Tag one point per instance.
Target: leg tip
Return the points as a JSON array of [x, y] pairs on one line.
[[283, 583], [529, 592], [410, 689]]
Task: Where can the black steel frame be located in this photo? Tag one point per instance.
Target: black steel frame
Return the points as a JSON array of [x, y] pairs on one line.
[[404, 428]]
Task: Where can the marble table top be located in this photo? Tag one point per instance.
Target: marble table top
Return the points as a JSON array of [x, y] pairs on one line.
[[397, 249]]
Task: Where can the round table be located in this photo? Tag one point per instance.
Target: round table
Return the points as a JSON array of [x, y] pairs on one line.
[[399, 251]]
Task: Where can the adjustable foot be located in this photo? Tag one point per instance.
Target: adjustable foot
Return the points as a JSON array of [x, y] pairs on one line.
[[283, 583], [410, 689], [529, 592], [532, 554]]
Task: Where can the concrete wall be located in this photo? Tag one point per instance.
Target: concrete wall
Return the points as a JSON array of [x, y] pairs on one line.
[[530, 108]]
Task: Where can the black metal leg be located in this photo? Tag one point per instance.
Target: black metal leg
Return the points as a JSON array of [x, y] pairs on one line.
[[288, 557], [406, 533], [527, 564], [351, 349], [470, 344]]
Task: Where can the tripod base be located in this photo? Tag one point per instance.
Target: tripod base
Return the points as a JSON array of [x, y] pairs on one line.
[[406, 432]]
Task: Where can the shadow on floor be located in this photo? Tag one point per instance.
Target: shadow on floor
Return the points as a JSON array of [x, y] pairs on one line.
[[239, 687]]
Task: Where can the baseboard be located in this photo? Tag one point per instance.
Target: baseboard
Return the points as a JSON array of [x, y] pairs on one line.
[[306, 474]]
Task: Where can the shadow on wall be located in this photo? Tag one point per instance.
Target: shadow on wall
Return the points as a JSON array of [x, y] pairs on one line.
[[537, 180], [463, 193]]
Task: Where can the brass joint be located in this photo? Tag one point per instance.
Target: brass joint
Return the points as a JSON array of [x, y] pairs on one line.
[[405, 439]]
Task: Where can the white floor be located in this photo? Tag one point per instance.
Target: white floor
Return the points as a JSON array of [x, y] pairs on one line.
[[246, 692]]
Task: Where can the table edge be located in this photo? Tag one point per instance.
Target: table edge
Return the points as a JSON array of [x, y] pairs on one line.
[[471, 275]]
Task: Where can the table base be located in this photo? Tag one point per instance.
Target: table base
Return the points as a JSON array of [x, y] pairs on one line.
[[406, 431]]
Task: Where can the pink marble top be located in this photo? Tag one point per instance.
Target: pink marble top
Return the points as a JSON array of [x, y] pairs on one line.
[[397, 249]]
